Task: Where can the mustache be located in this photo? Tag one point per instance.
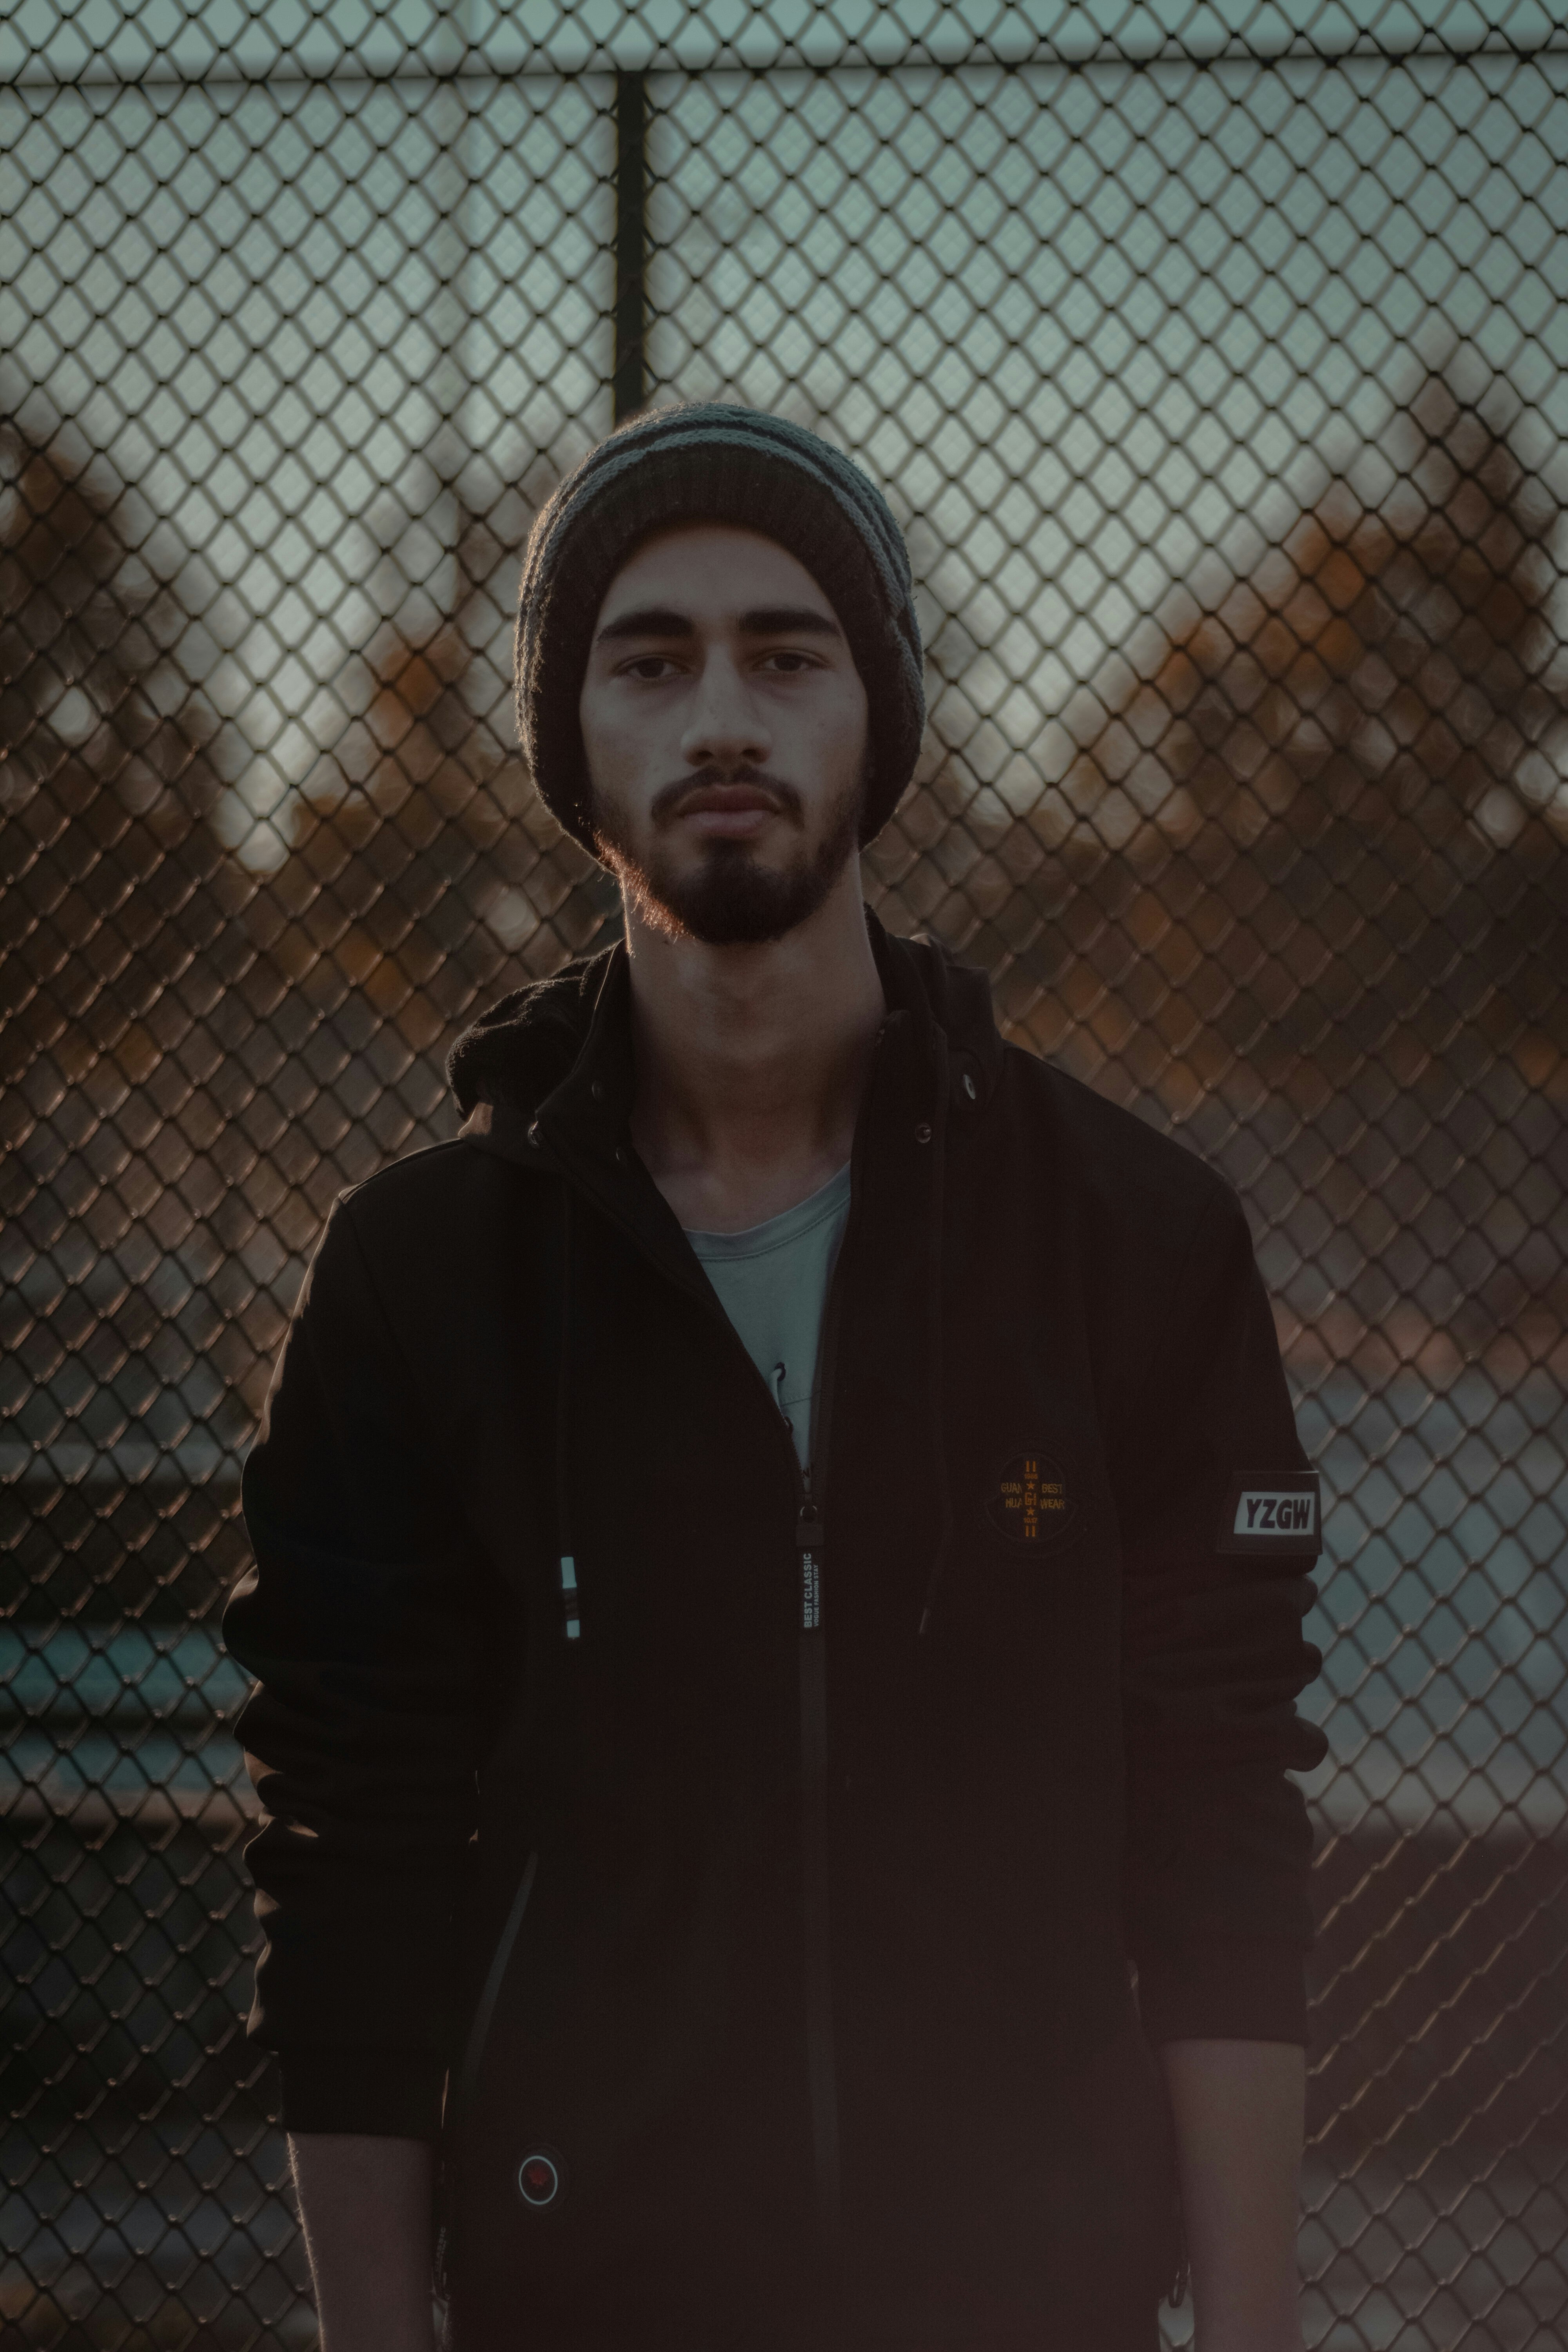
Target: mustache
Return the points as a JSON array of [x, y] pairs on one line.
[[667, 802]]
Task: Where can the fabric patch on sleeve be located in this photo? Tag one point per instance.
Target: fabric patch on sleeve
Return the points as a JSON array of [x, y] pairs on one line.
[[1275, 1517]]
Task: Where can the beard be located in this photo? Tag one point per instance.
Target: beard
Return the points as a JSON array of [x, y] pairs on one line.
[[730, 898]]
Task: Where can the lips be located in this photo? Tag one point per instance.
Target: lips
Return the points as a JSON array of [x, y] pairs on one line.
[[726, 800], [713, 803], [726, 811]]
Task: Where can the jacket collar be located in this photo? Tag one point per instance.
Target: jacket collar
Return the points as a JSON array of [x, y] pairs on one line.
[[551, 1065], [925, 980]]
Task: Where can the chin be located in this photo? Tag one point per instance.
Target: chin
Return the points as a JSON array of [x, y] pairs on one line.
[[731, 899]]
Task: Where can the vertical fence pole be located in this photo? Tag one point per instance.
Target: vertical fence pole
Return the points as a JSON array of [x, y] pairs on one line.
[[630, 383]]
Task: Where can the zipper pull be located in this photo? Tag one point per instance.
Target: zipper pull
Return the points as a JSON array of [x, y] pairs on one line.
[[571, 1607], [809, 1543], [778, 1400]]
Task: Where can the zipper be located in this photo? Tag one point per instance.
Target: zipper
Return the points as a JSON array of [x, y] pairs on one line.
[[822, 2073], [1181, 2272], [816, 1919]]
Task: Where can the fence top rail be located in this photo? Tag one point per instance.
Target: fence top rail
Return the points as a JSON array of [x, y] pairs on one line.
[[124, 41]]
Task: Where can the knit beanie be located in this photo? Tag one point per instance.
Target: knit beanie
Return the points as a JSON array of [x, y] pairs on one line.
[[708, 462]]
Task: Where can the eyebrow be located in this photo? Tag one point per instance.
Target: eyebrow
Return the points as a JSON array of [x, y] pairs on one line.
[[765, 621]]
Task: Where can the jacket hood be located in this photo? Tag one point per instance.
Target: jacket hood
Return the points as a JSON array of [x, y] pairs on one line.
[[519, 1050], [525, 1046]]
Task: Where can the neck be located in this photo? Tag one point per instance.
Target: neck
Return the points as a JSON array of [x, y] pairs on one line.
[[749, 1061]]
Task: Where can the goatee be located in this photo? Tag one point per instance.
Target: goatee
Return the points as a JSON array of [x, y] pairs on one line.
[[730, 900]]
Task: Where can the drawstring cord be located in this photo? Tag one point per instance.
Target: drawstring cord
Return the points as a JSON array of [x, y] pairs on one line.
[[778, 1400], [936, 1384], [566, 1559]]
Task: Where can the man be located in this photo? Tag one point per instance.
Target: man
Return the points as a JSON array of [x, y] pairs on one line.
[[780, 1555]]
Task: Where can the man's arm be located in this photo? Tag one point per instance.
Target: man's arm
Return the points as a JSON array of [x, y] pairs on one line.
[[1239, 2109], [365, 2205], [1219, 1843], [361, 1620]]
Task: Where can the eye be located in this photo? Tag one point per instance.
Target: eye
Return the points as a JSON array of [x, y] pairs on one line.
[[649, 668], [787, 661]]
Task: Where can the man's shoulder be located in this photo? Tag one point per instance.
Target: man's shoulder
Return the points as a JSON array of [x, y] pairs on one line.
[[1114, 1153], [426, 1190]]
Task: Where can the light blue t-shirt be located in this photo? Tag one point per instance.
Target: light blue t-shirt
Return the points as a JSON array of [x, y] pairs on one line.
[[772, 1281]]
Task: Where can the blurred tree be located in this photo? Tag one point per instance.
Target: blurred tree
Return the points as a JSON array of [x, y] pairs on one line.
[[423, 868], [423, 878], [1291, 871], [104, 769], [200, 1054], [1299, 879], [116, 906]]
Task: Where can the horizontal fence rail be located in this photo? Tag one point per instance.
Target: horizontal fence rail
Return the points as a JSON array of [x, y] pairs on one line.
[[1217, 367], [135, 41]]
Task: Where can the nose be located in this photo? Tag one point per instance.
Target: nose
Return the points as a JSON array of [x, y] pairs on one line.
[[727, 727]]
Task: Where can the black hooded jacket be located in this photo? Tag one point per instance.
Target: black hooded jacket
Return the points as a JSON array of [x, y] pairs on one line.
[[770, 1874]]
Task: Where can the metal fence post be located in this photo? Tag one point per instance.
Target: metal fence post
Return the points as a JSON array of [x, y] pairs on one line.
[[628, 384]]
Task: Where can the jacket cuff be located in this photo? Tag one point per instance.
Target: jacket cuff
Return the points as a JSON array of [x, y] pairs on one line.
[[1229, 1990], [388, 2093]]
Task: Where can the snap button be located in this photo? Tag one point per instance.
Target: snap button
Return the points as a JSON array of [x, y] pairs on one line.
[[533, 1135], [969, 1086], [922, 1132], [620, 1155], [539, 2182]]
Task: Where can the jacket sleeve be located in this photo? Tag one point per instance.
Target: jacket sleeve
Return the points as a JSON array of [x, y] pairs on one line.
[[1219, 1844], [359, 1622]]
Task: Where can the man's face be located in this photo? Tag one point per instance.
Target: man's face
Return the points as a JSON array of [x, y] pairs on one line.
[[724, 725]]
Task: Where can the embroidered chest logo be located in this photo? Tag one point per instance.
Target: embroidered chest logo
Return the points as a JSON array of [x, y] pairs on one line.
[[1032, 1504]]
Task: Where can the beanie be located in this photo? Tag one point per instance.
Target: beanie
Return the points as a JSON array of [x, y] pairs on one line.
[[710, 462]]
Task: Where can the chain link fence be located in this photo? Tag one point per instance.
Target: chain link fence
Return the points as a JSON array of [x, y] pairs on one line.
[[1215, 362]]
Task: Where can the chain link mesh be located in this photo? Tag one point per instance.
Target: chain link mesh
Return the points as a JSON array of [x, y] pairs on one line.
[[1223, 396]]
